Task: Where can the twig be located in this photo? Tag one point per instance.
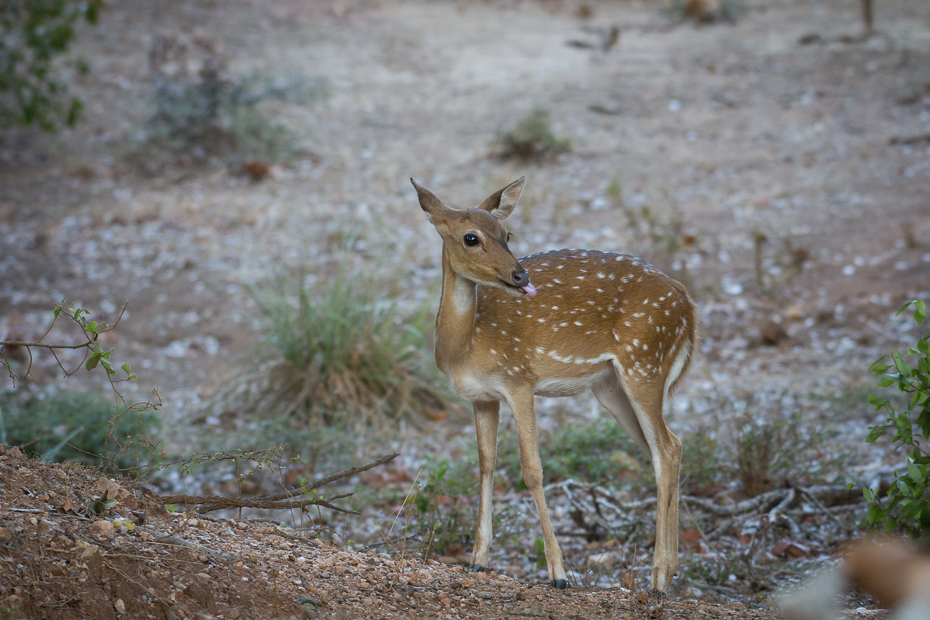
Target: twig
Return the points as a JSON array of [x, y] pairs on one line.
[[174, 540], [209, 503], [332, 478]]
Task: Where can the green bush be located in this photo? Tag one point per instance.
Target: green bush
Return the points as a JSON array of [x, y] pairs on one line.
[[532, 139], [340, 350], [212, 112], [76, 427], [443, 510], [33, 34], [906, 505]]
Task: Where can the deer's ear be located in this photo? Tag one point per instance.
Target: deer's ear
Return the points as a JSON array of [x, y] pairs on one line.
[[428, 201], [501, 203]]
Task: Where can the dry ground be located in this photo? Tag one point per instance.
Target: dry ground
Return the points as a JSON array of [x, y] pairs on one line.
[[139, 561], [726, 132]]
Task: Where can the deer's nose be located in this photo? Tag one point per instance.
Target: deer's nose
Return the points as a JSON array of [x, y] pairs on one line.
[[521, 278]]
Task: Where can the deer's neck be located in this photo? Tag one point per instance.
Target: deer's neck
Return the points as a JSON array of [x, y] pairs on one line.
[[455, 321]]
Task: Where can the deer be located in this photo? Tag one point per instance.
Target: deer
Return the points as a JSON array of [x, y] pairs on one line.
[[600, 321]]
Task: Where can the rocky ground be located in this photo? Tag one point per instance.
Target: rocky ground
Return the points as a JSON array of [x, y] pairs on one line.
[[61, 559], [779, 166]]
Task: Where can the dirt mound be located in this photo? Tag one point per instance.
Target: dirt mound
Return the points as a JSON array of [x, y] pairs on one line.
[[58, 559], [76, 544]]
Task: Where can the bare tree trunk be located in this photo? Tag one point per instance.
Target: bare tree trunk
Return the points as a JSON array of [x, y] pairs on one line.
[[867, 16]]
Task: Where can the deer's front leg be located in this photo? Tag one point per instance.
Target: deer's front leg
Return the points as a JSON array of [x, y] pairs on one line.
[[487, 416], [524, 415]]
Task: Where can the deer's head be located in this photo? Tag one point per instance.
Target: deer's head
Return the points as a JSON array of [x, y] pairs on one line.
[[475, 240]]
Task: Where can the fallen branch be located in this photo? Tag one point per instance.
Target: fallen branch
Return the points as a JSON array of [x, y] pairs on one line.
[[174, 540], [209, 503], [296, 498], [332, 478]]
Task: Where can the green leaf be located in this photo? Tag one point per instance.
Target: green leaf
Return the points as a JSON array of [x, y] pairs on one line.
[[914, 474], [920, 312], [903, 308], [107, 364], [880, 368], [57, 311], [126, 367], [306, 601], [900, 364], [92, 361], [876, 401]]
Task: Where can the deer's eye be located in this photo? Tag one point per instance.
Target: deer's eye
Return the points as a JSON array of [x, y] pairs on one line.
[[470, 239], [509, 236]]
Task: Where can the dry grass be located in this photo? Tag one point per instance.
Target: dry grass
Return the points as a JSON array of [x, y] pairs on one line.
[[340, 351]]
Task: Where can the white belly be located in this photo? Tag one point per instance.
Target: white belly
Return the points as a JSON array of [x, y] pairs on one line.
[[478, 387], [557, 386]]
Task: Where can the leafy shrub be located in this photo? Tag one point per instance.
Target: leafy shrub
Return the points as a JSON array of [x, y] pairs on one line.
[[209, 112], [33, 33], [906, 505], [767, 455], [443, 510], [596, 452], [76, 427], [340, 350], [532, 139]]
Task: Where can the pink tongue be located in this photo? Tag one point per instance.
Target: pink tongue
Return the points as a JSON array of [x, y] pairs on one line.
[[530, 290]]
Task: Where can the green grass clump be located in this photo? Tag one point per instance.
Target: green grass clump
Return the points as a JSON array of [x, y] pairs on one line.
[[211, 112], [341, 350], [78, 427], [532, 139]]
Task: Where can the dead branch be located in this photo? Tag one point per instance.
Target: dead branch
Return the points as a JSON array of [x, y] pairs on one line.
[[332, 478], [209, 503], [174, 540], [296, 498]]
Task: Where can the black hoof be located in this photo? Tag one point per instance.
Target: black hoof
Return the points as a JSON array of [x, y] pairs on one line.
[[657, 594], [558, 584], [476, 568]]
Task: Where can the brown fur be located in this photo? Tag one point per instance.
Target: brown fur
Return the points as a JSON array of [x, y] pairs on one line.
[[606, 322]]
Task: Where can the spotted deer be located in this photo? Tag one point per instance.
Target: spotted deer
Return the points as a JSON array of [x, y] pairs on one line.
[[598, 321]]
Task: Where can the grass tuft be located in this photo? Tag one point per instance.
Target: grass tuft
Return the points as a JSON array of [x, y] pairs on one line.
[[532, 139], [341, 351], [75, 427]]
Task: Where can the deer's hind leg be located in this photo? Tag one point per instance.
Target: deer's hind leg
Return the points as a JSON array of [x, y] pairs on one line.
[[637, 406]]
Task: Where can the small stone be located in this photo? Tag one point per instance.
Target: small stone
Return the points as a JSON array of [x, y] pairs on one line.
[[6, 534], [104, 529], [120, 606], [445, 601]]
